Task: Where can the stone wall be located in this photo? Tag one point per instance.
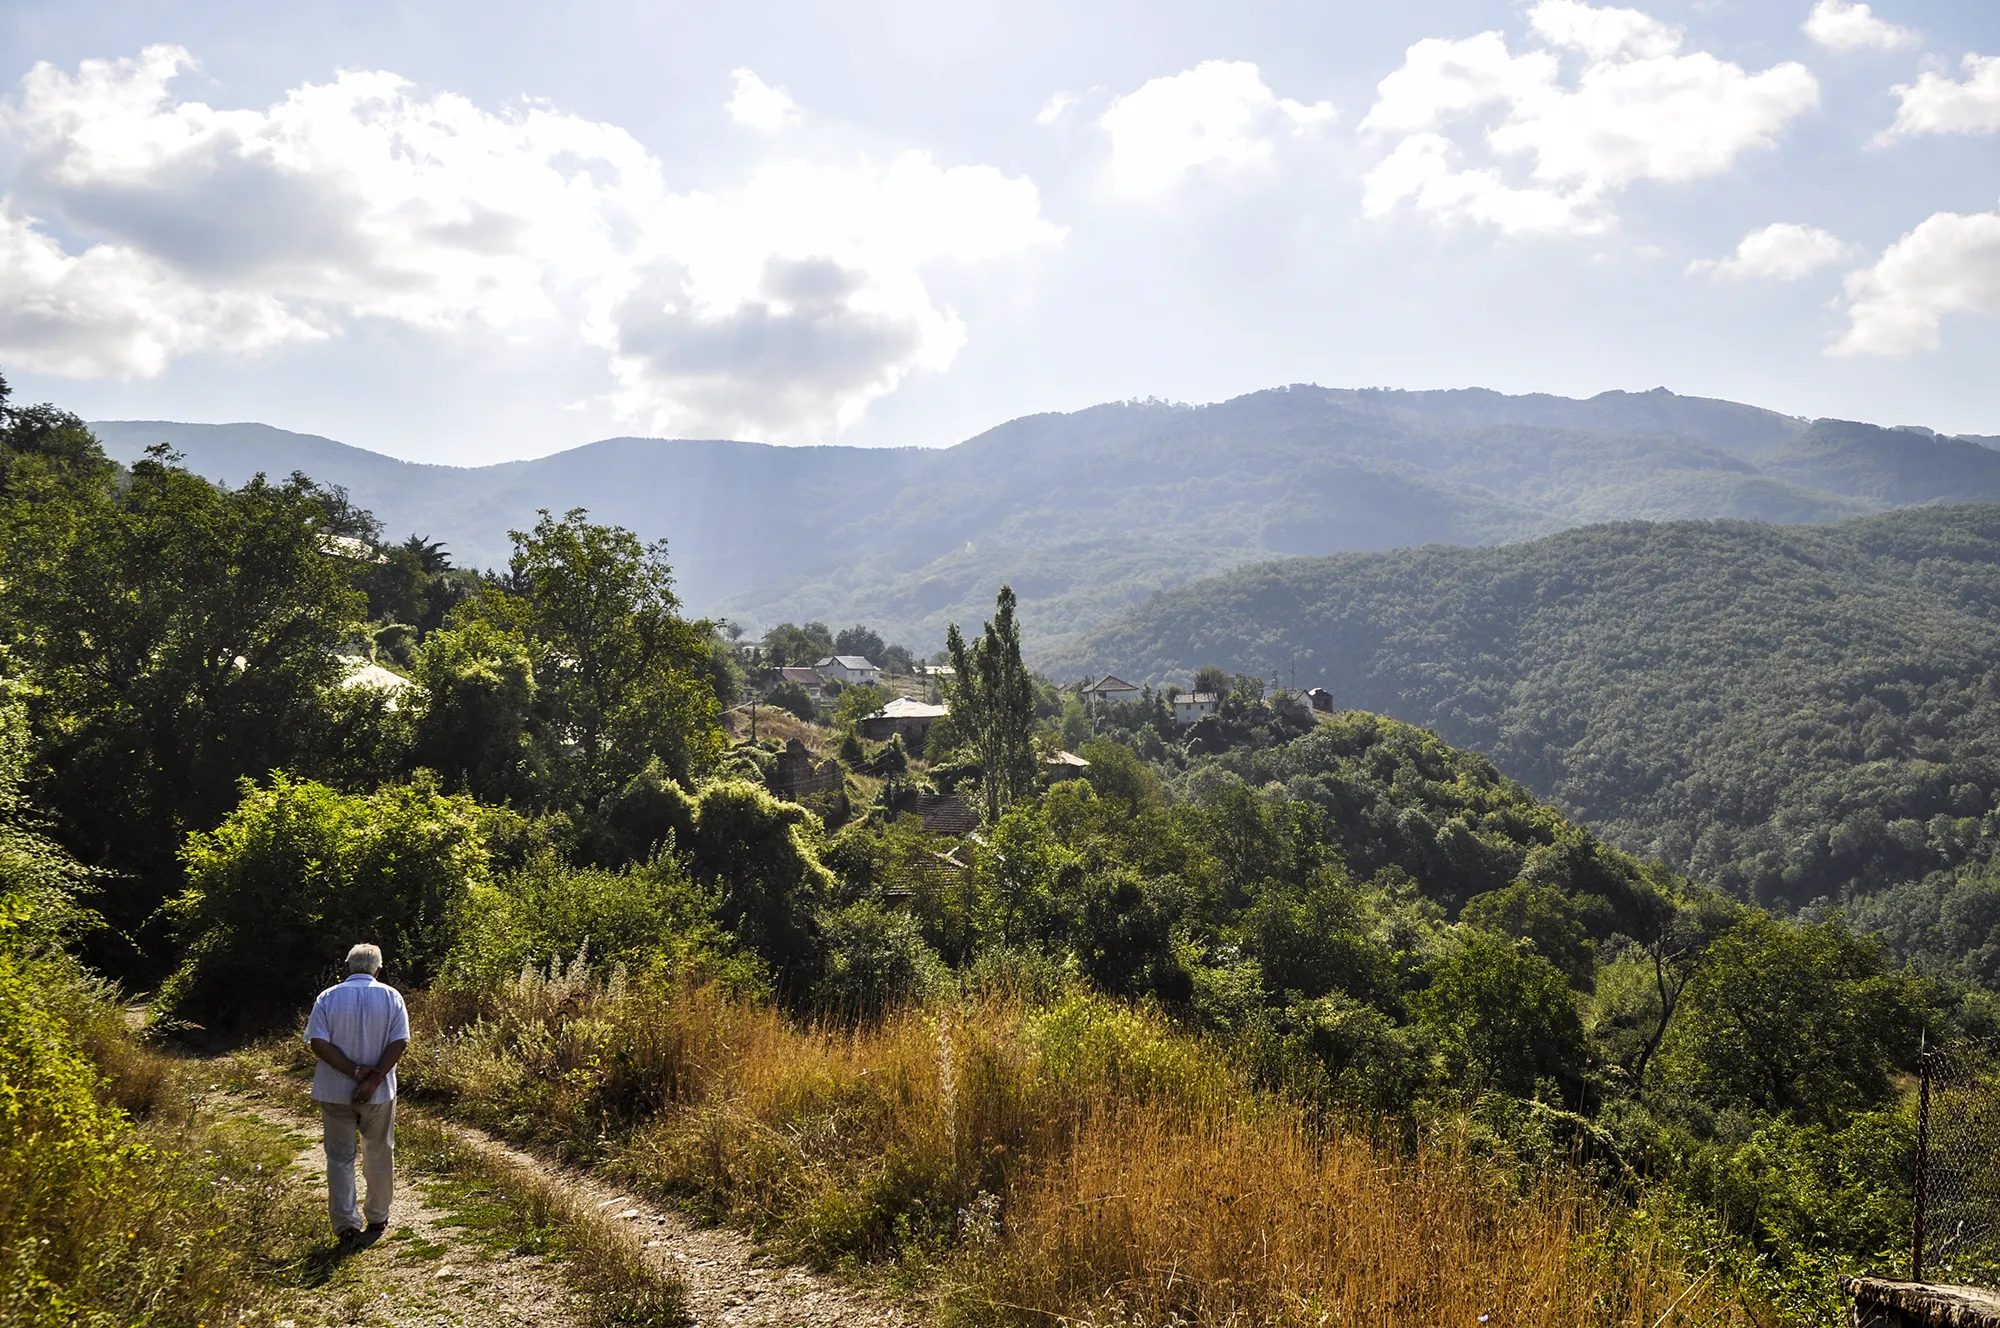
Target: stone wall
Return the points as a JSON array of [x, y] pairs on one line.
[[1880, 1303]]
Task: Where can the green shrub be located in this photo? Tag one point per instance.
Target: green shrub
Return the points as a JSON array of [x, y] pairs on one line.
[[1505, 1019], [645, 917], [297, 874], [1783, 1018], [873, 959], [790, 696], [762, 856]]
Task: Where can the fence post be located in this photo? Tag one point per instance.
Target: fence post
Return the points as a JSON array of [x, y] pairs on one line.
[[1923, 1165]]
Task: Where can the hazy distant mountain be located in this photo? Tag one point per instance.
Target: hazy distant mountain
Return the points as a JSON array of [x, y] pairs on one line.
[[1789, 712], [1088, 512]]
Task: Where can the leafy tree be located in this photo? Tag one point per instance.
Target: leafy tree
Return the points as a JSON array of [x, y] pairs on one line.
[[891, 765], [789, 644], [1313, 938], [1504, 1019], [416, 585], [478, 708], [299, 872], [1212, 680], [1553, 922], [1798, 1019], [620, 676], [41, 446], [1116, 772], [1124, 934], [180, 636], [857, 703], [896, 659], [646, 916], [992, 698], [859, 640], [875, 959]]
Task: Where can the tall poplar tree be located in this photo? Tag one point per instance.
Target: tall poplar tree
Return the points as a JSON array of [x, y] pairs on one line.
[[992, 701]]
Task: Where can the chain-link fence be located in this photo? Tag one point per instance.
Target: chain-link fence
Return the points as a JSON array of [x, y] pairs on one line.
[[1957, 1231]]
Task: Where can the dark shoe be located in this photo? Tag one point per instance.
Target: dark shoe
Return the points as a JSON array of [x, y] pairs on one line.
[[347, 1237], [377, 1228]]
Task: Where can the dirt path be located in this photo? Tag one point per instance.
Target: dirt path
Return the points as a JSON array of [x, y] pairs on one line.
[[427, 1273]]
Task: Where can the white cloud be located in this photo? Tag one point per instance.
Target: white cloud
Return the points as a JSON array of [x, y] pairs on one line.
[[799, 297], [1424, 169], [1935, 104], [759, 105], [1949, 264], [1849, 27], [1055, 107], [113, 312], [1217, 114], [781, 305], [1637, 110], [1783, 251], [1603, 34]]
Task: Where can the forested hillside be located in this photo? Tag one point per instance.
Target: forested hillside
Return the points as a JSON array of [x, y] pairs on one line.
[[1789, 713], [1090, 511]]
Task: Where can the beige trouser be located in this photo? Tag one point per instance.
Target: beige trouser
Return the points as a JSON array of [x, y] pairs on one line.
[[373, 1126]]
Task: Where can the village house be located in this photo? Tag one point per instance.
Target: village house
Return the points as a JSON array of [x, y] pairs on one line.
[[853, 670], [807, 678], [1192, 706], [1320, 699], [1065, 765], [1109, 691], [911, 719]]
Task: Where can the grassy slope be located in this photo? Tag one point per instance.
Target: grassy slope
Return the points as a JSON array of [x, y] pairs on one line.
[[1786, 710]]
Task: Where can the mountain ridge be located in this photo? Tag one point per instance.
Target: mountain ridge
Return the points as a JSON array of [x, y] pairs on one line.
[[1090, 511]]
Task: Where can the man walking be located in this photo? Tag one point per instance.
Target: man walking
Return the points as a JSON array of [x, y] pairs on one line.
[[358, 1031]]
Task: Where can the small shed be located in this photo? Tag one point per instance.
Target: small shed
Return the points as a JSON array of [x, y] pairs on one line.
[[1192, 706], [1109, 690], [1320, 699]]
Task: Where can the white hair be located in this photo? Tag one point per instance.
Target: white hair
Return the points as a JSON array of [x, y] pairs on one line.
[[365, 958]]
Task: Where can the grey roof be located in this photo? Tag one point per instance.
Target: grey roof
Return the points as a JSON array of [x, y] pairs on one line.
[[1110, 684], [849, 662], [1197, 698]]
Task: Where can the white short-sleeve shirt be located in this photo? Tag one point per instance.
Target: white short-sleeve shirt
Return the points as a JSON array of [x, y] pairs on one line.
[[361, 1017]]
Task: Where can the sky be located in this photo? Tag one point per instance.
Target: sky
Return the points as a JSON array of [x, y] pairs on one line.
[[468, 233]]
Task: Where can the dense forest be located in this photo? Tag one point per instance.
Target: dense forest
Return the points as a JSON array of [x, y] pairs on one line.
[[997, 1069], [1801, 716], [1088, 511]]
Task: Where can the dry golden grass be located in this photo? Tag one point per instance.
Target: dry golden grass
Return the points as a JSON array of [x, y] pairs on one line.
[[1242, 1221], [1082, 1162]]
